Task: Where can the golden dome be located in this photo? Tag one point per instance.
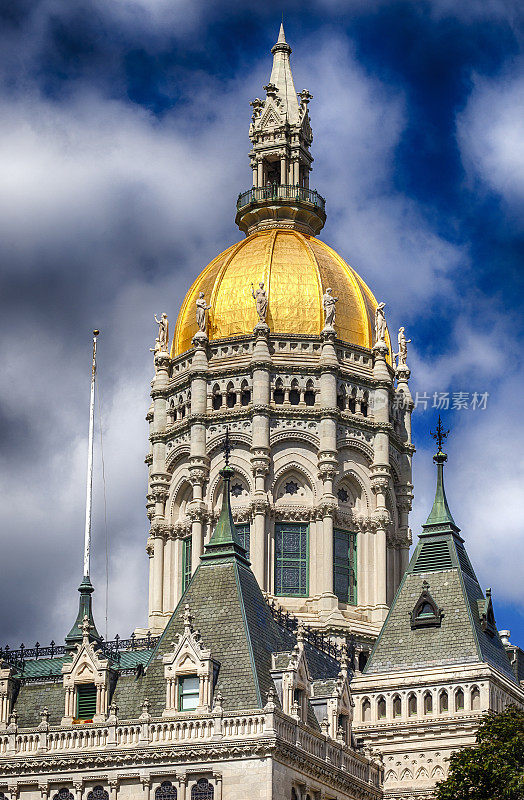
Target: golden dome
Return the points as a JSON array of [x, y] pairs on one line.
[[296, 270]]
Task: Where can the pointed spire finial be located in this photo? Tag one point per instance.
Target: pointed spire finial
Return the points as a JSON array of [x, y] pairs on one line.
[[281, 35], [440, 435], [440, 518]]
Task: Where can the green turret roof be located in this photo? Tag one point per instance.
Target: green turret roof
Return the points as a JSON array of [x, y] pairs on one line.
[[461, 629]]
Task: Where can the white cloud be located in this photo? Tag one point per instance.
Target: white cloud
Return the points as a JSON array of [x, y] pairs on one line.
[[358, 123], [490, 133]]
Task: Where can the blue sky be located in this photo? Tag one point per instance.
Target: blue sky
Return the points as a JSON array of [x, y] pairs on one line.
[[124, 145]]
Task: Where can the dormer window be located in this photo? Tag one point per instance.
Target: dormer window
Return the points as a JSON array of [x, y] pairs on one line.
[[85, 701], [426, 613], [188, 692]]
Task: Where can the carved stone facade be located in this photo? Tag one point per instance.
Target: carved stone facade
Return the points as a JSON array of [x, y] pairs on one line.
[[314, 441]]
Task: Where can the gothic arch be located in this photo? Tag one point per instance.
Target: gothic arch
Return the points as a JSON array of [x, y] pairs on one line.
[[282, 473], [217, 442], [356, 444], [213, 491], [353, 477], [178, 452], [178, 500], [303, 436]]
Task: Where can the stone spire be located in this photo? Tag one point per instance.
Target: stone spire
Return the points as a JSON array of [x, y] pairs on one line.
[[281, 135], [282, 78]]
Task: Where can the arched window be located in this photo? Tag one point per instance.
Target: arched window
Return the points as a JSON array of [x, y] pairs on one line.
[[412, 705], [278, 394], [217, 397], [166, 791], [63, 794], [475, 698], [459, 700], [428, 703], [364, 405], [341, 398], [309, 394], [294, 394], [352, 401], [231, 396], [381, 708], [245, 394], [362, 660], [397, 706], [202, 790], [98, 793], [443, 703], [366, 710], [294, 795]]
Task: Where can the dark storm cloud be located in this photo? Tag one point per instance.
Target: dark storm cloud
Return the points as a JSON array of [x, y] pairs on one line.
[[124, 143]]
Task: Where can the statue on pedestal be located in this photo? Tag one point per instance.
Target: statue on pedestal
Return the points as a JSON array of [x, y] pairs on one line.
[[162, 331], [402, 348], [260, 298], [328, 301], [201, 307], [380, 323], [156, 349]]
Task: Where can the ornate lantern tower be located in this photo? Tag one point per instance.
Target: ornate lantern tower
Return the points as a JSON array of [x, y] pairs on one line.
[[280, 341]]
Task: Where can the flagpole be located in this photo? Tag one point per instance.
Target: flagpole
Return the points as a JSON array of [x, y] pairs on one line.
[[89, 484]]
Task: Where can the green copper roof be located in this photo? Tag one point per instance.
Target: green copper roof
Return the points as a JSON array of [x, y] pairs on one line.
[[225, 543], [440, 565], [440, 519], [85, 609]]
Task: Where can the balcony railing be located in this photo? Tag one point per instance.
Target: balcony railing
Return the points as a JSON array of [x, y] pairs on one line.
[[277, 191]]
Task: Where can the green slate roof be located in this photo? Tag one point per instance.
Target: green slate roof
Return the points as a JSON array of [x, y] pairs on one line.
[[235, 623], [440, 560]]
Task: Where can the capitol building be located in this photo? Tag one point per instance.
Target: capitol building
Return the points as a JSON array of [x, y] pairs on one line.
[[292, 650]]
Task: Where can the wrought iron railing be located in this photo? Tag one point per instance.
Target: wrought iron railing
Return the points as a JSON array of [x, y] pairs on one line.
[[318, 639], [275, 191], [111, 648]]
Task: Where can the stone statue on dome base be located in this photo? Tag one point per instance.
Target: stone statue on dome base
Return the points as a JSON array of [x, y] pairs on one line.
[[328, 302], [201, 308], [260, 297]]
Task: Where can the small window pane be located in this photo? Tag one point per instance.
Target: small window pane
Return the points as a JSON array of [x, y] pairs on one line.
[[186, 562], [345, 566], [188, 693], [243, 535], [291, 559]]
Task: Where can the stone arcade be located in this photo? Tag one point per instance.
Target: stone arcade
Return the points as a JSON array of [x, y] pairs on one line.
[[274, 575]]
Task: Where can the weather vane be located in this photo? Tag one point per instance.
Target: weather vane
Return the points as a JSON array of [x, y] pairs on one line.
[[440, 434], [227, 446]]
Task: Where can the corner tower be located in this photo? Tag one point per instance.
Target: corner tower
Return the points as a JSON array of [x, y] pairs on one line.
[[281, 342]]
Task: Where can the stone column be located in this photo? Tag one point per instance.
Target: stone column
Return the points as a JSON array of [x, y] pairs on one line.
[[198, 459], [380, 475], [283, 169], [182, 786], [260, 172], [158, 485], [328, 460], [260, 451]]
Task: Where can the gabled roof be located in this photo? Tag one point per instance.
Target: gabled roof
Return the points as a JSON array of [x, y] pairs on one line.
[[440, 566]]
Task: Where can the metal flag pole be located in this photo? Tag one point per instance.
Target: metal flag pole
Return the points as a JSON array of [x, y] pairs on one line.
[[89, 485]]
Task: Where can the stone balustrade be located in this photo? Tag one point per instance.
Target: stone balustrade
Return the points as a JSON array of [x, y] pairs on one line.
[[183, 728]]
